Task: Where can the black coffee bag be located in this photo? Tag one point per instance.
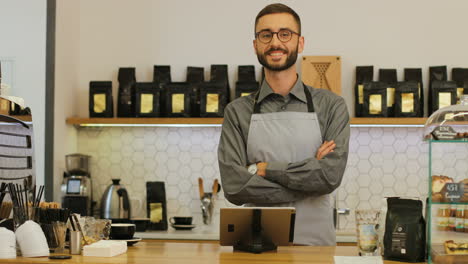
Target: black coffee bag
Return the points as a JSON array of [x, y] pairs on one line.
[[389, 76], [460, 76], [246, 83], [443, 94], [212, 99], [246, 73], [156, 206], [161, 77], [375, 100], [126, 97], [195, 77], [177, 99], [405, 231], [100, 99], [364, 74], [415, 75], [147, 99], [407, 99], [436, 73], [219, 74]]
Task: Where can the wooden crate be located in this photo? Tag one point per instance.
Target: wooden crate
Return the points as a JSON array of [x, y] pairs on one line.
[[322, 72]]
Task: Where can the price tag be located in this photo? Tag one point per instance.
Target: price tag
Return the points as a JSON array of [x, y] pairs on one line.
[[453, 192], [444, 133]]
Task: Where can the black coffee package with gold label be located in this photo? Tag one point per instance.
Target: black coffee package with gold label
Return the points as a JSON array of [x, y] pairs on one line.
[[156, 206], [407, 99], [195, 77], [126, 97], [405, 230], [100, 99], [246, 73], [375, 100], [389, 76], [161, 77], [219, 74], [415, 75], [162, 74], [246, 83], [212, 99], [177, 99], [246, 88], [147, 99], [363, 74], [460, 77], [436, 73], [443, 94]]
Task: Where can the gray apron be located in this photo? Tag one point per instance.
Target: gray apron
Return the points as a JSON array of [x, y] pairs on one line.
[[293, 137]]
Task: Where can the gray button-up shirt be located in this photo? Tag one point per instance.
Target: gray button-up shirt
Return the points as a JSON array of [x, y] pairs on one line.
[[284, 181]]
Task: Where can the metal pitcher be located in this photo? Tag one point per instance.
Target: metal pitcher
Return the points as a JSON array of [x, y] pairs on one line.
[[207, 200]]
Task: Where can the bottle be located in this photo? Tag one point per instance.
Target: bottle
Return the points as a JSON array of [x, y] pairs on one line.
[[442, 217], [466, 219], [460, 219], [452, 217]]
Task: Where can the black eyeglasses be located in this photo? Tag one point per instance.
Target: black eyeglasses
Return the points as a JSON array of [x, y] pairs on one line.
[[284, 35]]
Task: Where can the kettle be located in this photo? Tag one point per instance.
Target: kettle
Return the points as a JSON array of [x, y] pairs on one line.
[[115, 203]]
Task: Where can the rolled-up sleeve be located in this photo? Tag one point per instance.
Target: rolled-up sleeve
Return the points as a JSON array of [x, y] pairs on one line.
[[313, 176], [239, 185]]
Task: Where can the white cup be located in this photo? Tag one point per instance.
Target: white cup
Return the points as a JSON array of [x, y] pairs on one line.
[[7, 244], [32, 240]]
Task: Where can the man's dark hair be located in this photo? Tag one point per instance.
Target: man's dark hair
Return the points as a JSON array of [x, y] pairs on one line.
[[276, 9]]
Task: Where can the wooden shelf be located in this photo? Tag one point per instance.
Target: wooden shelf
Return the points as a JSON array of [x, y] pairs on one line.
[[25, 118], [388, 121], [119, 121], [144, 121]]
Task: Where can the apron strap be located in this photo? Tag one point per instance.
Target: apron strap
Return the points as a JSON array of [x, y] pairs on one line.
[[310, 103]]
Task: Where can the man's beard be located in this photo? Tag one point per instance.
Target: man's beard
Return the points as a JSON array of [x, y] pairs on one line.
[[290, 60]]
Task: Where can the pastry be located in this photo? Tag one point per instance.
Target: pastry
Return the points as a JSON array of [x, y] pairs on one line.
[[453, 248], [437, 197], [438, 183]]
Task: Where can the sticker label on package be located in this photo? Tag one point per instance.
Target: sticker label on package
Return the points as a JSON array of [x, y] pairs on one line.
[[399, 240]]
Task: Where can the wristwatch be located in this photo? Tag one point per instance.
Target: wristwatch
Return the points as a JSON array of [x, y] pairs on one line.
[[252, 169]]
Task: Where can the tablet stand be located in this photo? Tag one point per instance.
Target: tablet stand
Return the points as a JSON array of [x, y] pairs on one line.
[[259, 242]]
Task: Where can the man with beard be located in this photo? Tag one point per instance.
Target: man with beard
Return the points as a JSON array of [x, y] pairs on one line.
[[287, 144]]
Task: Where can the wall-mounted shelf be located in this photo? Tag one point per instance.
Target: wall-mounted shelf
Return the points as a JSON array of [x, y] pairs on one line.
[[25, 118], [143, 121], [388, 122], [213, 122]]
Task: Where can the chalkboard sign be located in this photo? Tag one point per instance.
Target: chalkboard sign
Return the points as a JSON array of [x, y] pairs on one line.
[[453, 192], [444, 133]]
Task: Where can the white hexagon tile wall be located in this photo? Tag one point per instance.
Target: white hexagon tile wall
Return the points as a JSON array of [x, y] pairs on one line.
[[382, 162]]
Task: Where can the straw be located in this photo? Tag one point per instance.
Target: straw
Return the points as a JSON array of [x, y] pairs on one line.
[[2, 191], [79, 229]]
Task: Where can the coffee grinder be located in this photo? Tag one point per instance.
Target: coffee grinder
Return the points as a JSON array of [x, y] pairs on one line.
[[76, 187]]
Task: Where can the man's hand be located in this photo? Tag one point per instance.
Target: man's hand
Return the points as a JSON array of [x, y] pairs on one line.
[[325, 148], [261, 169]]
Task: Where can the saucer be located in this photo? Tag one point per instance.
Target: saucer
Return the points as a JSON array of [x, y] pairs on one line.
[[182, 227], [130, 242]]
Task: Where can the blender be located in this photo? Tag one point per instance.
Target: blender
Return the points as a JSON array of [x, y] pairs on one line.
[[76, 189]]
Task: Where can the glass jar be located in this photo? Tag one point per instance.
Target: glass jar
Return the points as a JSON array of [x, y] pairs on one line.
[[443, 214], [460, 218]]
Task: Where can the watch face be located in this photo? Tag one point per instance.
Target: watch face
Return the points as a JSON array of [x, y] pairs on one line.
[[252, 169]]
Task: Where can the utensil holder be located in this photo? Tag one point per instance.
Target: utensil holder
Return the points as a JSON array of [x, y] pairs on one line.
[[75, 242]]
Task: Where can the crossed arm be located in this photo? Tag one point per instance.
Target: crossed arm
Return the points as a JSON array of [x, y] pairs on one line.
[[324, 149], [286, 182]]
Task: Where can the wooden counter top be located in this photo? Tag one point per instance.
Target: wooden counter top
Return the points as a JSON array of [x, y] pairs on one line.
[[156, 252]]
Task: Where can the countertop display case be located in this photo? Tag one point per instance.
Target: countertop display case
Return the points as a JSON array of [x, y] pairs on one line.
[[446, 132]]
